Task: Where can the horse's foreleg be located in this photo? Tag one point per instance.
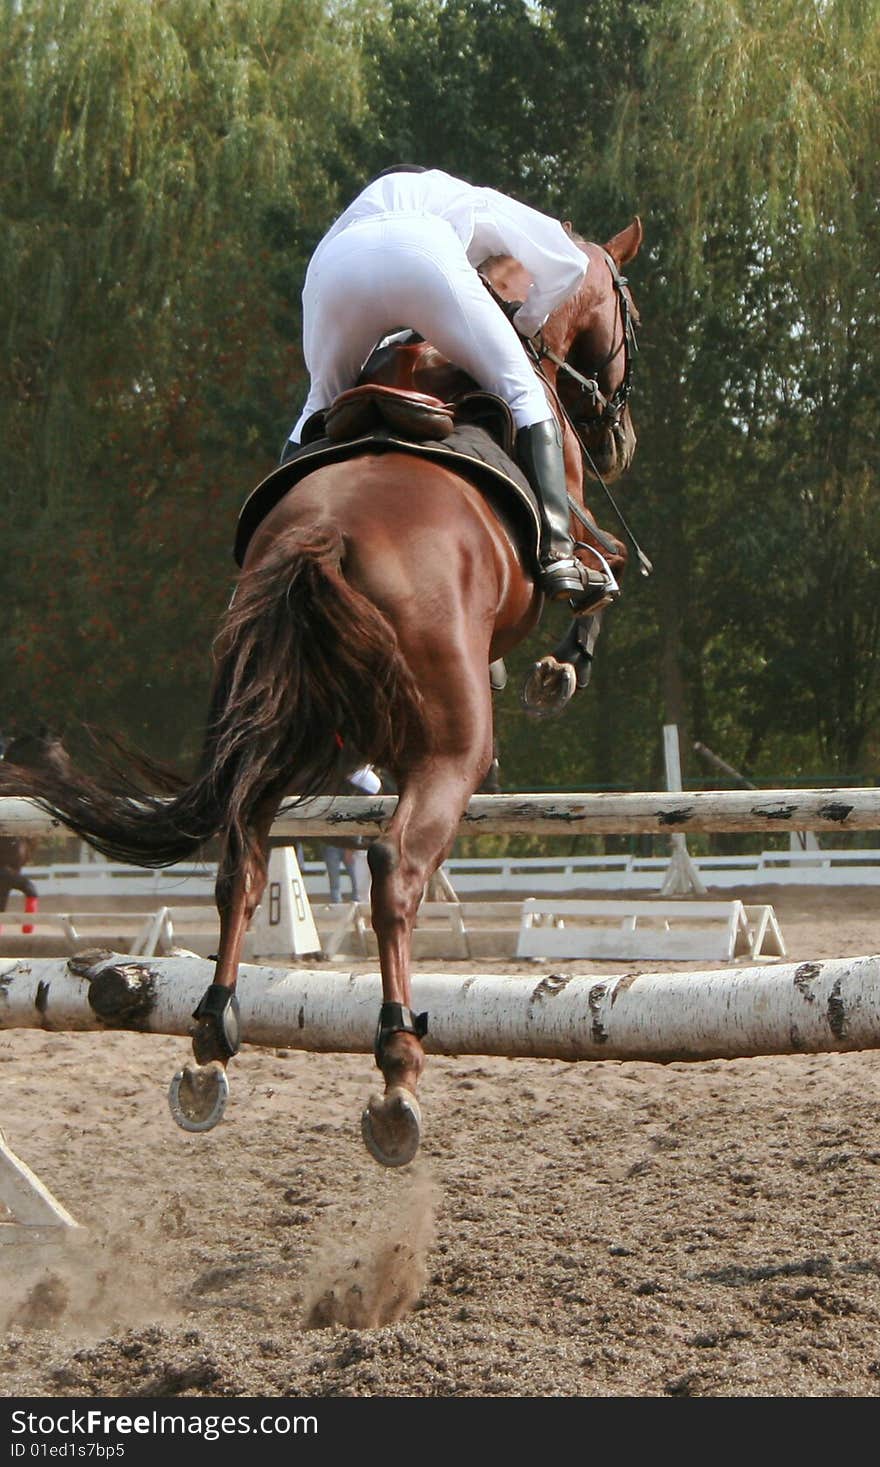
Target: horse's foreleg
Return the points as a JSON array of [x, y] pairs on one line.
[[198, 1093], [551, 682]]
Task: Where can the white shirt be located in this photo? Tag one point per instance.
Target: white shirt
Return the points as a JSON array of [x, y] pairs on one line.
[[487, 223]]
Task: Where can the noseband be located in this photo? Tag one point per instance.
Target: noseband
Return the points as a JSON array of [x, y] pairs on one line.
[[607, 412]]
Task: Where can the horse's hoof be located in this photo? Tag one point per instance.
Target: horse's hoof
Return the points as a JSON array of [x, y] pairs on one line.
[[583, 671], [391, 1126], [497, 675], [197, 1096], [548, 687]]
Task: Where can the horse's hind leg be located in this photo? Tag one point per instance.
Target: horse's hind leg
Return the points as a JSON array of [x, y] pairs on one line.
[[433, 798], [198, 1093]]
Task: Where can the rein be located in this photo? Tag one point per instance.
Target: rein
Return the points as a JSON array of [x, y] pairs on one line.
[[610, 408], [645, 565]]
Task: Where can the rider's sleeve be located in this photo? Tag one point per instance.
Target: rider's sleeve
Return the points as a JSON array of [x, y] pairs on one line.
[[548, 252]]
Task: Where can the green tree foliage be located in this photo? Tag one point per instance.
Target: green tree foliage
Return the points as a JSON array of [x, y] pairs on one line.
[[752, 148], [166, 168], [448, 89]]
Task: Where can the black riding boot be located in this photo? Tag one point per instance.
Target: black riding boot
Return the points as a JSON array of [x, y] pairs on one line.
[[539, 448]]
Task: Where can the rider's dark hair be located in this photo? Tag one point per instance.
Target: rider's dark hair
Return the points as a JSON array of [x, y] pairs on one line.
[[400, 168]]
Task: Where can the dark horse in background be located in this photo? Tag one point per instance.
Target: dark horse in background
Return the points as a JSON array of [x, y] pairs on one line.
[[33, 751], [372, 599]]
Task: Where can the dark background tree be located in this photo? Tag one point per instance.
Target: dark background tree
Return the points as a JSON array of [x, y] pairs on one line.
[[166, 170]]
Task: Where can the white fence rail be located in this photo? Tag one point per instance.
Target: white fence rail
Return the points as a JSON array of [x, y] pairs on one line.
[[533, 874], [505, 875], [172, 885]]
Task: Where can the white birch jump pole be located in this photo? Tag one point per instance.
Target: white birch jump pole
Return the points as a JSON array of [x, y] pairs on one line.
[[809, 1008], [660, 813]]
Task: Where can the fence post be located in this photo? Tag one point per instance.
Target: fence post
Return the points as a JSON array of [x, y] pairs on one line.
[[681, 874]]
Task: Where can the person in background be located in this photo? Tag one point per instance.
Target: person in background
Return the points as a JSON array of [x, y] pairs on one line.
[[352, 856]]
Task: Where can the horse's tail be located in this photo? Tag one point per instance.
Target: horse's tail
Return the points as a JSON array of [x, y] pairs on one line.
[[309, 679]]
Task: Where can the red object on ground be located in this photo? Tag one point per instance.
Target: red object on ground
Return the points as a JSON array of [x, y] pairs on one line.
[[31, 904]]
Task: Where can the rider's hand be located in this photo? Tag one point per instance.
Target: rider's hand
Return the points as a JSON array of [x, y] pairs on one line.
[[509, 308]]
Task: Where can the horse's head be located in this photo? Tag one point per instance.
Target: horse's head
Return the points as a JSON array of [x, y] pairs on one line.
[[590, 341]]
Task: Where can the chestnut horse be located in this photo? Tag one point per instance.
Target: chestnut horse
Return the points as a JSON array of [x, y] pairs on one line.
[[371, 601]]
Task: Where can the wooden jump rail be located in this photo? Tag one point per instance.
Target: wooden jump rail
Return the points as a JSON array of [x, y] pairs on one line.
[[666, 813]]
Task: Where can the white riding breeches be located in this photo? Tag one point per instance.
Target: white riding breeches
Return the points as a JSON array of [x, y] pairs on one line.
[[392, 271]]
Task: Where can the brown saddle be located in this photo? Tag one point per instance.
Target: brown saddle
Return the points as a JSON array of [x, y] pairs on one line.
[[374, 405], [407, 387], [411, 399]]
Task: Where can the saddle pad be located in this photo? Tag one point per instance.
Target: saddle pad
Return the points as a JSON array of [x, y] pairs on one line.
[[469, 450]]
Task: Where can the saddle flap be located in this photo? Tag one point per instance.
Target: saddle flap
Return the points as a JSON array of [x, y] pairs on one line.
[[488, 411], [372, 405]]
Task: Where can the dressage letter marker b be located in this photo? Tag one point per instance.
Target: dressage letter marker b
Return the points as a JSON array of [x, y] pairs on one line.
[[283, 925]]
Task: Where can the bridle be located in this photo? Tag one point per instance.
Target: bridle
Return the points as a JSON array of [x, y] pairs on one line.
[[607, 412]]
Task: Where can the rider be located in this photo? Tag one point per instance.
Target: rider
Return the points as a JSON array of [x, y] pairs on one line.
[[405, 254]]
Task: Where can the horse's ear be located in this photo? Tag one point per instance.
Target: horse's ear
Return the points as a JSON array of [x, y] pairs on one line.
[[625, 245]]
